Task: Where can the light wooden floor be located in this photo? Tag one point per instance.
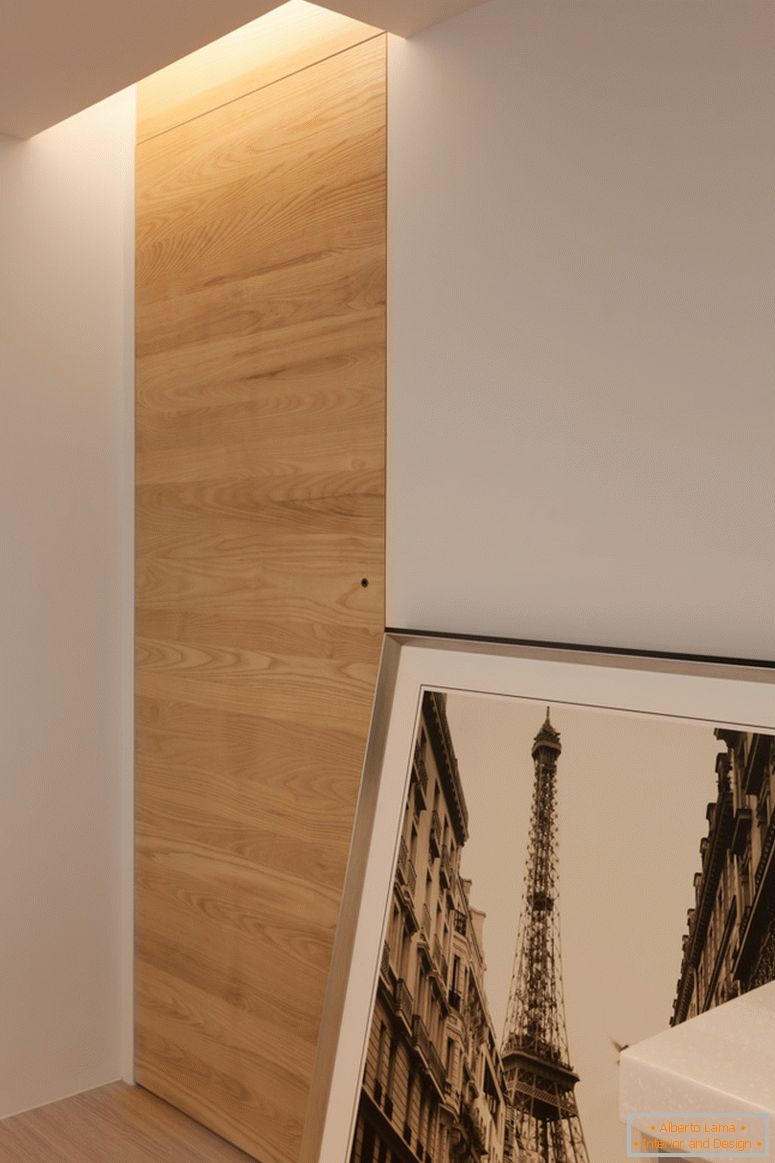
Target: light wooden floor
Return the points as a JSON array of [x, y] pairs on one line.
[[114, 1124]]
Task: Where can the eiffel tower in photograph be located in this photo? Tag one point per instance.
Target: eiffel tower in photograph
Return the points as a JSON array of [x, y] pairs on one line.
[[544, 1124]]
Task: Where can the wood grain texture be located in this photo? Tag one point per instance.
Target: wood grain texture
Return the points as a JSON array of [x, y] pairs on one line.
[[113, 1124], [260, 508], [282, 42]]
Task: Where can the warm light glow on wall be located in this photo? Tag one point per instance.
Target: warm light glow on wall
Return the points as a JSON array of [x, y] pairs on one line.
[[273, 46]]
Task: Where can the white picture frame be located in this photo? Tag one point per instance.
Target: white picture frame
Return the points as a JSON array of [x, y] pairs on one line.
[[695, 690]]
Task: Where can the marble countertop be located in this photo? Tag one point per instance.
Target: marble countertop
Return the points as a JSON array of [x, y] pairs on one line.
[[722, 1061]]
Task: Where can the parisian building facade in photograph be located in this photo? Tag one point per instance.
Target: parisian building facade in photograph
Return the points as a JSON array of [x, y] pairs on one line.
[[438, 1085], [433, 1088], [730, 944]]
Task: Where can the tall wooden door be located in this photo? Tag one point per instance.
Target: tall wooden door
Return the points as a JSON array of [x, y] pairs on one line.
[[260, 565]]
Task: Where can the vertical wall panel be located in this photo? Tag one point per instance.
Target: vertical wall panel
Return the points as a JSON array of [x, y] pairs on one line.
[[65, 465], [582, 273], [260, 495]]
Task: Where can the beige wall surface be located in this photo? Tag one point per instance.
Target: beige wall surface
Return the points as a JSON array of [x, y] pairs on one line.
[[581, 278], [65, 324]]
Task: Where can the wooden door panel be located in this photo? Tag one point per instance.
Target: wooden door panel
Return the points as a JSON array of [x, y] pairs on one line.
[[260, 512]]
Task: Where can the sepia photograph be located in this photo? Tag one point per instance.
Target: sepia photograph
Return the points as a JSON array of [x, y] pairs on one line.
[[569, 880]]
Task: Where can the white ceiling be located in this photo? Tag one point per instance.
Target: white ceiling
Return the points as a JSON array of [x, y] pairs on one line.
[[404, 17], [59, 56]]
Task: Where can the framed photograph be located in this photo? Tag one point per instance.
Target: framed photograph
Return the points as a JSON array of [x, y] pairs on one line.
[[556, 854]]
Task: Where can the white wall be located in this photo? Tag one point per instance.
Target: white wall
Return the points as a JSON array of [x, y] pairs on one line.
[[581, 290], [65, 524]]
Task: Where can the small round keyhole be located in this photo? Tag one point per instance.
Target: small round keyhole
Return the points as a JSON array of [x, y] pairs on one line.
[[364, 582]]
